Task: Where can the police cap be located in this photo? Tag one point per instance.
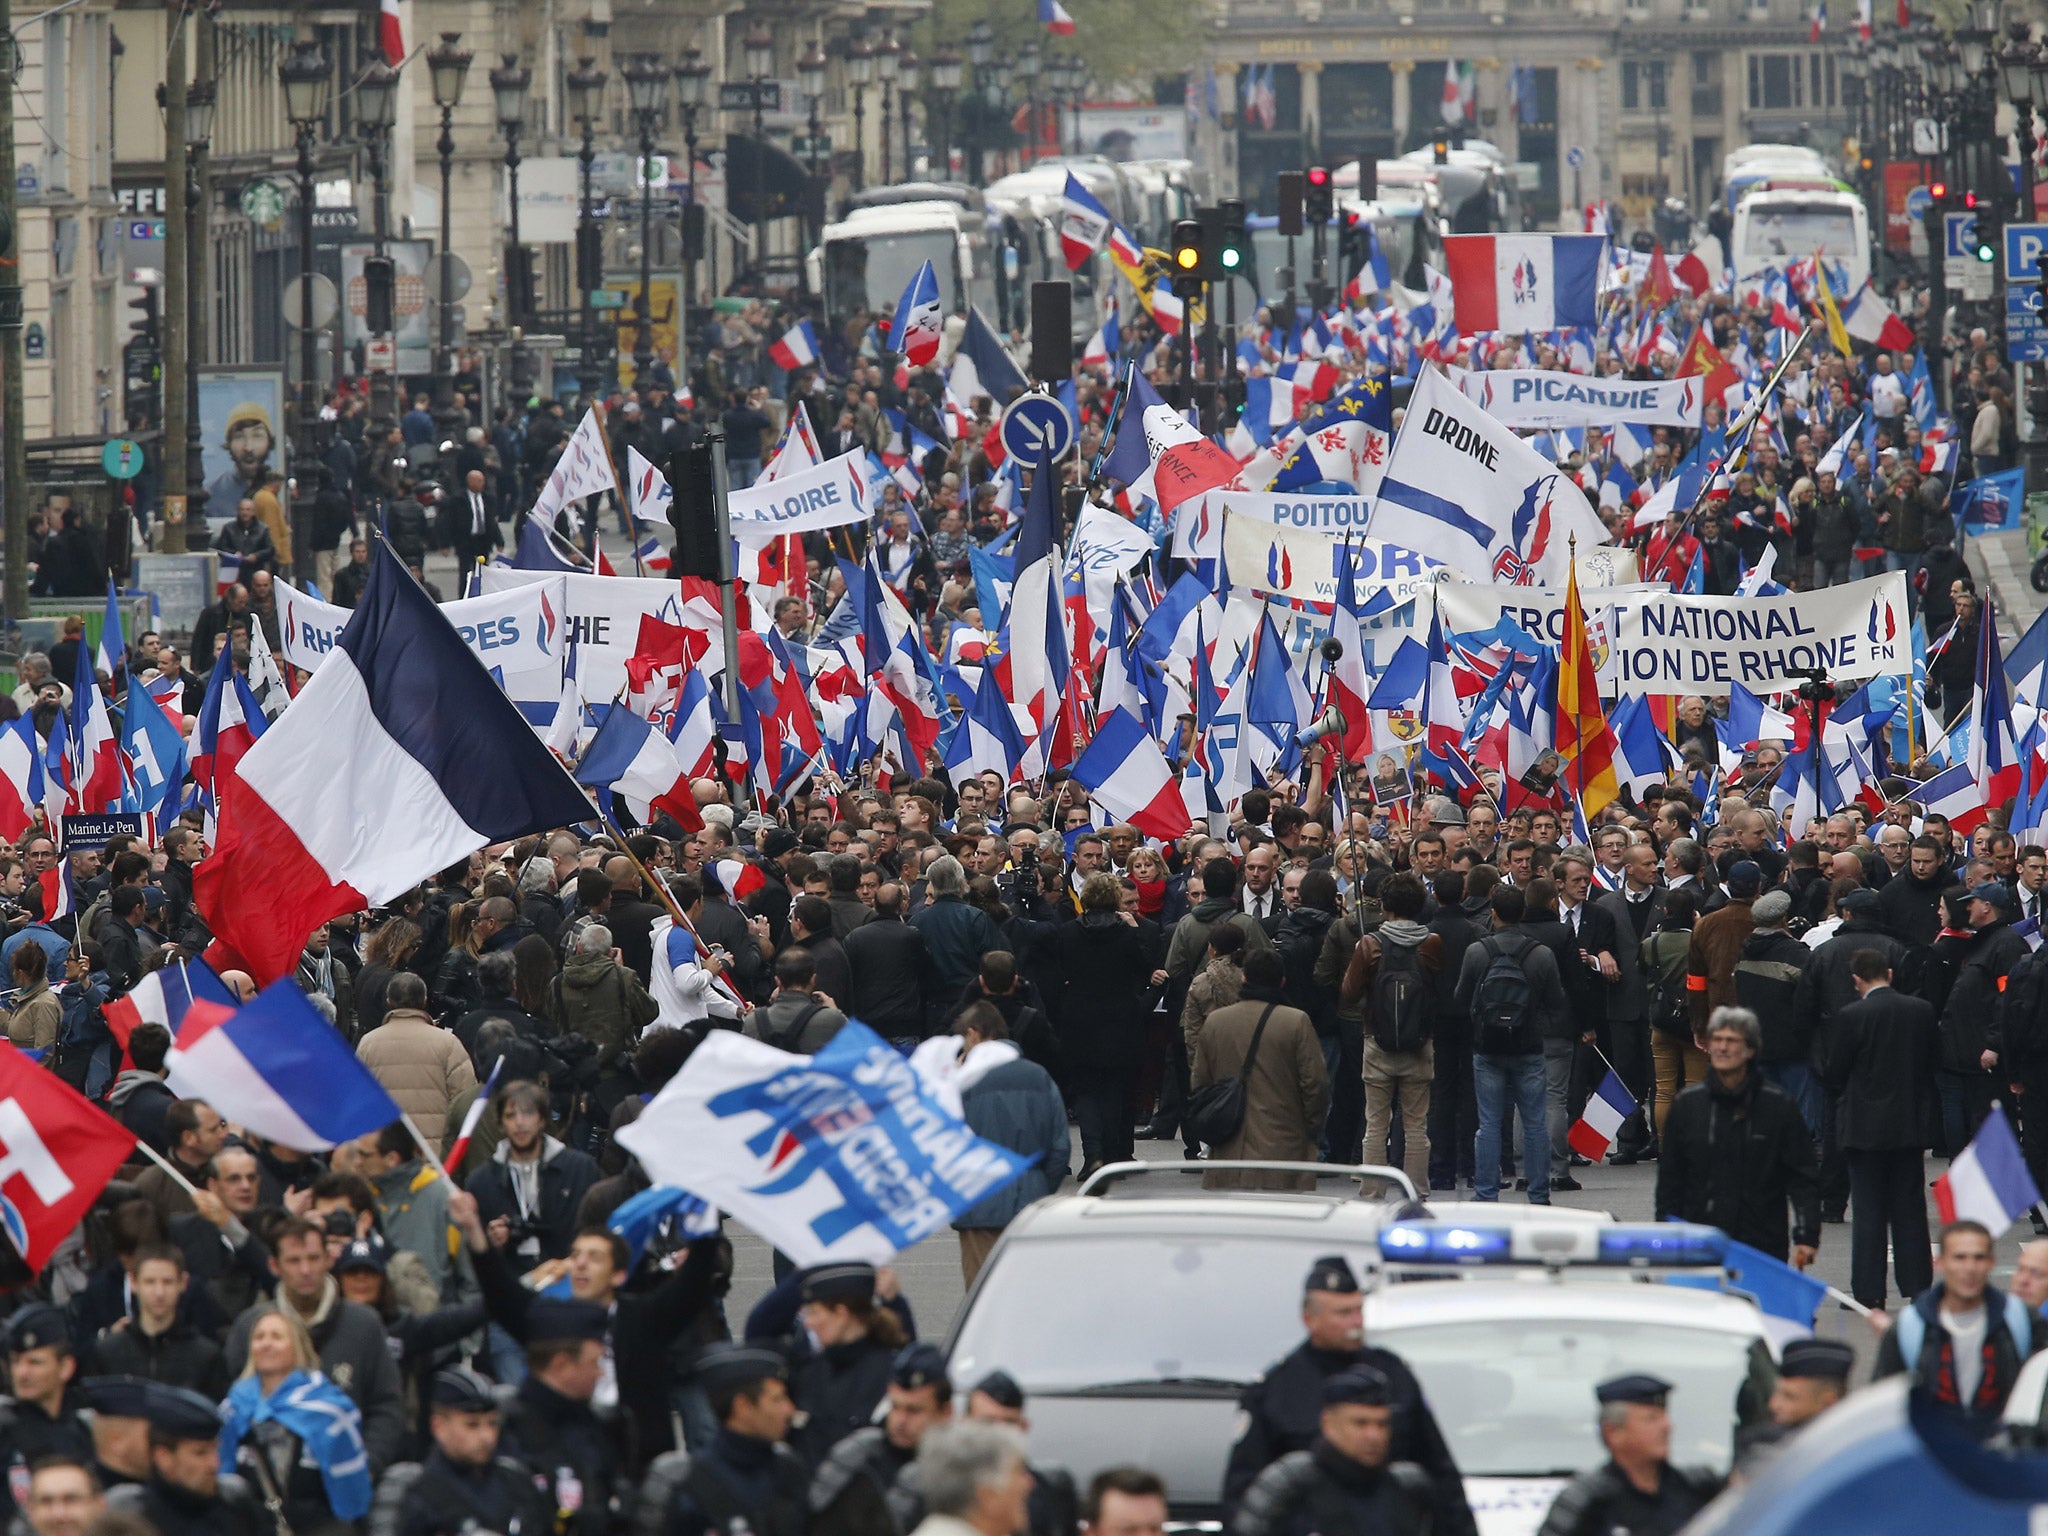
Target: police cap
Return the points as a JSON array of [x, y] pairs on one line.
[[1650, 1391], [1829, 1359], [1360, 1384], [850, 1282], [736, 1367], [178, 1413], [918, 1364], [1001, 1388], [118, 1397], [552, 1317], [37, 1327], [1332, 1273], [462, 1390]]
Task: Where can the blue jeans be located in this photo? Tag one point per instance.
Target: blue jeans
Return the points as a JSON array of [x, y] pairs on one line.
[[508, 1355], [1501, 1082], [1798, 1081]]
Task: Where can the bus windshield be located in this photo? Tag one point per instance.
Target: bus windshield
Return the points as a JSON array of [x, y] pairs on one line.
[[1798, 229], [872, 272]]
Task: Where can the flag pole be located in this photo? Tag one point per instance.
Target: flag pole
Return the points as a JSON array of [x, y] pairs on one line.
[[668, 900], [620, 489], [168, 1167], [426, 1147]]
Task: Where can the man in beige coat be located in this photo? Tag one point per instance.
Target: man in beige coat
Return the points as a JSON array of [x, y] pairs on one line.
[[1287, 1091], [420, 1064]]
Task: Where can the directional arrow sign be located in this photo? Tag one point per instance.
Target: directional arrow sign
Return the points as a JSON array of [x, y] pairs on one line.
[[1037, 427]]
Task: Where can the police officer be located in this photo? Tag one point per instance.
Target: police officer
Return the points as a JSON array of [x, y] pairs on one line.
[[1055, 1503], [43, 1418], [1343, 1484], [549, 1424], [861, 1488], [1282, 1410], [464, 1485], [1638, 1492], [747, 1481], [838, 1388], [1813, 1376], [119, 1421], [186, 1493]]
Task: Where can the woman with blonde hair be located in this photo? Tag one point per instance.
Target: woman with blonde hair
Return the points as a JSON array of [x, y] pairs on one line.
[[456, 989], [294, 1434]]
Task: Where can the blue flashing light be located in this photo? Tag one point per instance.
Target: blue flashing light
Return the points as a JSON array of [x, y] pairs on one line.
[[1663, 1243], [1429, 1242]]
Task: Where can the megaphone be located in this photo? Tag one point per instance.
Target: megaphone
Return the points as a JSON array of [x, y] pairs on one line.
[[1329, 723]]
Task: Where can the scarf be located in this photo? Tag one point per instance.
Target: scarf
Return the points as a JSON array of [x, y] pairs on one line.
[[328, 1426], [1151, 896]]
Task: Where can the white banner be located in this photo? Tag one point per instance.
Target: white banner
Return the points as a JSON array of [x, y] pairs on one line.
[[1299, 564], [1526, 397], [1649, 641], [600, 627], [1198, 525], [832, 494], [516, 632]]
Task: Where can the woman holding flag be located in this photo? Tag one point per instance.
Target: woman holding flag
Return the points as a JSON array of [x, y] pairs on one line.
[[293, 1433]]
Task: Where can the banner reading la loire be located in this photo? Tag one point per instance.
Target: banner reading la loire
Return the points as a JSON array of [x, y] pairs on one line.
[[833, 493], [1519, 397], [1656, 642]]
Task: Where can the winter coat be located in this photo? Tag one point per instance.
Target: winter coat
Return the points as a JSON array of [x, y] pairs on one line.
[[1017, 1105], [1985, 959], [420, 1064], [1881, 1061], [1220, 984], [33, 1020], [956, 936], [1188, 950], [1767, 982], [1717, 941], [1912, 906], [565, 1177], [1286, 1094], [603, 1002], [1104, 975], [1733, 1159]]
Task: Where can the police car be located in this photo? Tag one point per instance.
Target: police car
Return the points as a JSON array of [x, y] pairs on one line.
[[1134, 1312], [1538, 1312]]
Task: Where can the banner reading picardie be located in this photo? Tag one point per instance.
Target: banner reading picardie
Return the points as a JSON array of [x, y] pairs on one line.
[[1659, 642], [1525, 397]]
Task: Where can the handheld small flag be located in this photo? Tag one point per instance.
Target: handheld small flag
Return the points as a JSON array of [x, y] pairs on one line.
[[920, 319], [1607, 1109], [1988, 1181]]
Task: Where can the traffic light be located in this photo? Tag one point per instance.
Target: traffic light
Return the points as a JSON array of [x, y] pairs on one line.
[[1188, 258], [1318, 198], [693, 510], [380, 295], [142, 360], [1232, 253], [1938, 191], [146, 328], [1290, 202], [589, 257]]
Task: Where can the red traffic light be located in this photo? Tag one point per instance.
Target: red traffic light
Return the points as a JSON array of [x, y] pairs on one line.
[[1938, 191], [1319, 176], [1969, 199]]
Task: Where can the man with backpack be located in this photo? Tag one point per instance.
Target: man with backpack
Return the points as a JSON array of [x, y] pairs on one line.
[[1962, 1340], [796, 1018], [1396, 971], [1509, 988]]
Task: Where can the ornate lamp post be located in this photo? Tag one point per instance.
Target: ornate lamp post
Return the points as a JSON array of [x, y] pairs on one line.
[[981, 50], [860, 74], [307, 80], [509, 83], [1030, 65], [448, 64], [692, 77], [946, 77], [759, 45], [647, 96], [376, 96], [586, 105], [887, 55], [810, 74], [909, 81]]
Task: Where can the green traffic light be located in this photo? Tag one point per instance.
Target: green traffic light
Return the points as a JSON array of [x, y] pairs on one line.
[[1232, 258], [1985, 253]]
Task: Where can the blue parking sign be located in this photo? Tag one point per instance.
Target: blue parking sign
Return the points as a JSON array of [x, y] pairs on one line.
[[2024, 244]]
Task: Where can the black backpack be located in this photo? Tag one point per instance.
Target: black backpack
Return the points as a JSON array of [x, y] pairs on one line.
[[1403, 1007], [1504, 1003], [2023, 1011]]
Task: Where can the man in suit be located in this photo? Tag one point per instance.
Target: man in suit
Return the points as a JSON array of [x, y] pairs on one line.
[[473, 523], [1587, 984], [1882, 1061], [886, 971], [2033, 882], [1261, 895], [1635, 910]]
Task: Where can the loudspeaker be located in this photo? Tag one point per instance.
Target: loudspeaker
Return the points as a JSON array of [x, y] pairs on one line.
[[1052, 332], [693, 509]]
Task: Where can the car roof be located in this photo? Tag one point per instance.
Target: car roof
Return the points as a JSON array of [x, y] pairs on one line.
[[1147, 1198], [1560, 1301]]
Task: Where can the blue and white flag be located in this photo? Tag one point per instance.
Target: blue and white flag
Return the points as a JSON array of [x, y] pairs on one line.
[[920, 319], [1990, 503], [847, 1154], [982, 366]]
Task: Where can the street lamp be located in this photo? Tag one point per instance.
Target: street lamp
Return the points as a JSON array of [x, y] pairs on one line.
[[509, 83], [909, 81], [946, 74], [448, 65], [887, 53], [1030, 65], [586, 84], [691, 77], [759, 46], [647, 97], [199, 103], [376, 97], [307, 81], [810, 75], [860, 74]]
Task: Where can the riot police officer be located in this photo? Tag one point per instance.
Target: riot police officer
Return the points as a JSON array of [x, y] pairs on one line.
[[186, 1493], [464, 1485], [119, 1422], [1638, 1492], [549, 1423], [1813, 1376], [866, 1485], [43, 1417], [747, 1481], [839, 1387], [1283, 1409], [1343, 1484], [1055, 1503]]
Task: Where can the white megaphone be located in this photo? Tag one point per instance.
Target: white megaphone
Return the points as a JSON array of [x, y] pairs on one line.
[[1329, 723]]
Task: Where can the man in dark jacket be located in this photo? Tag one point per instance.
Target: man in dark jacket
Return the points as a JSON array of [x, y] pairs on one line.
[[956, 936], [1453, 1112], [1968, 1018], [810, 929], [1014, 1104], [1911, 898], [1827, 990], [1881, 1063], [842, 872], [1735, 1151], [886, 970], [533, 1183], [1768, 978], [1963, 1340]]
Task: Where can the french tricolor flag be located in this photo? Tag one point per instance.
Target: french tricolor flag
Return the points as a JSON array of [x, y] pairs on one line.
[[695, 727], [1988, 1181], [1521, 283], [1055, 17], [279, 1069], [797, 348], [736, 877], [1126, 773], [1608, 1106], [638, 764], [401, 726], [21, 778], [163, 996]]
